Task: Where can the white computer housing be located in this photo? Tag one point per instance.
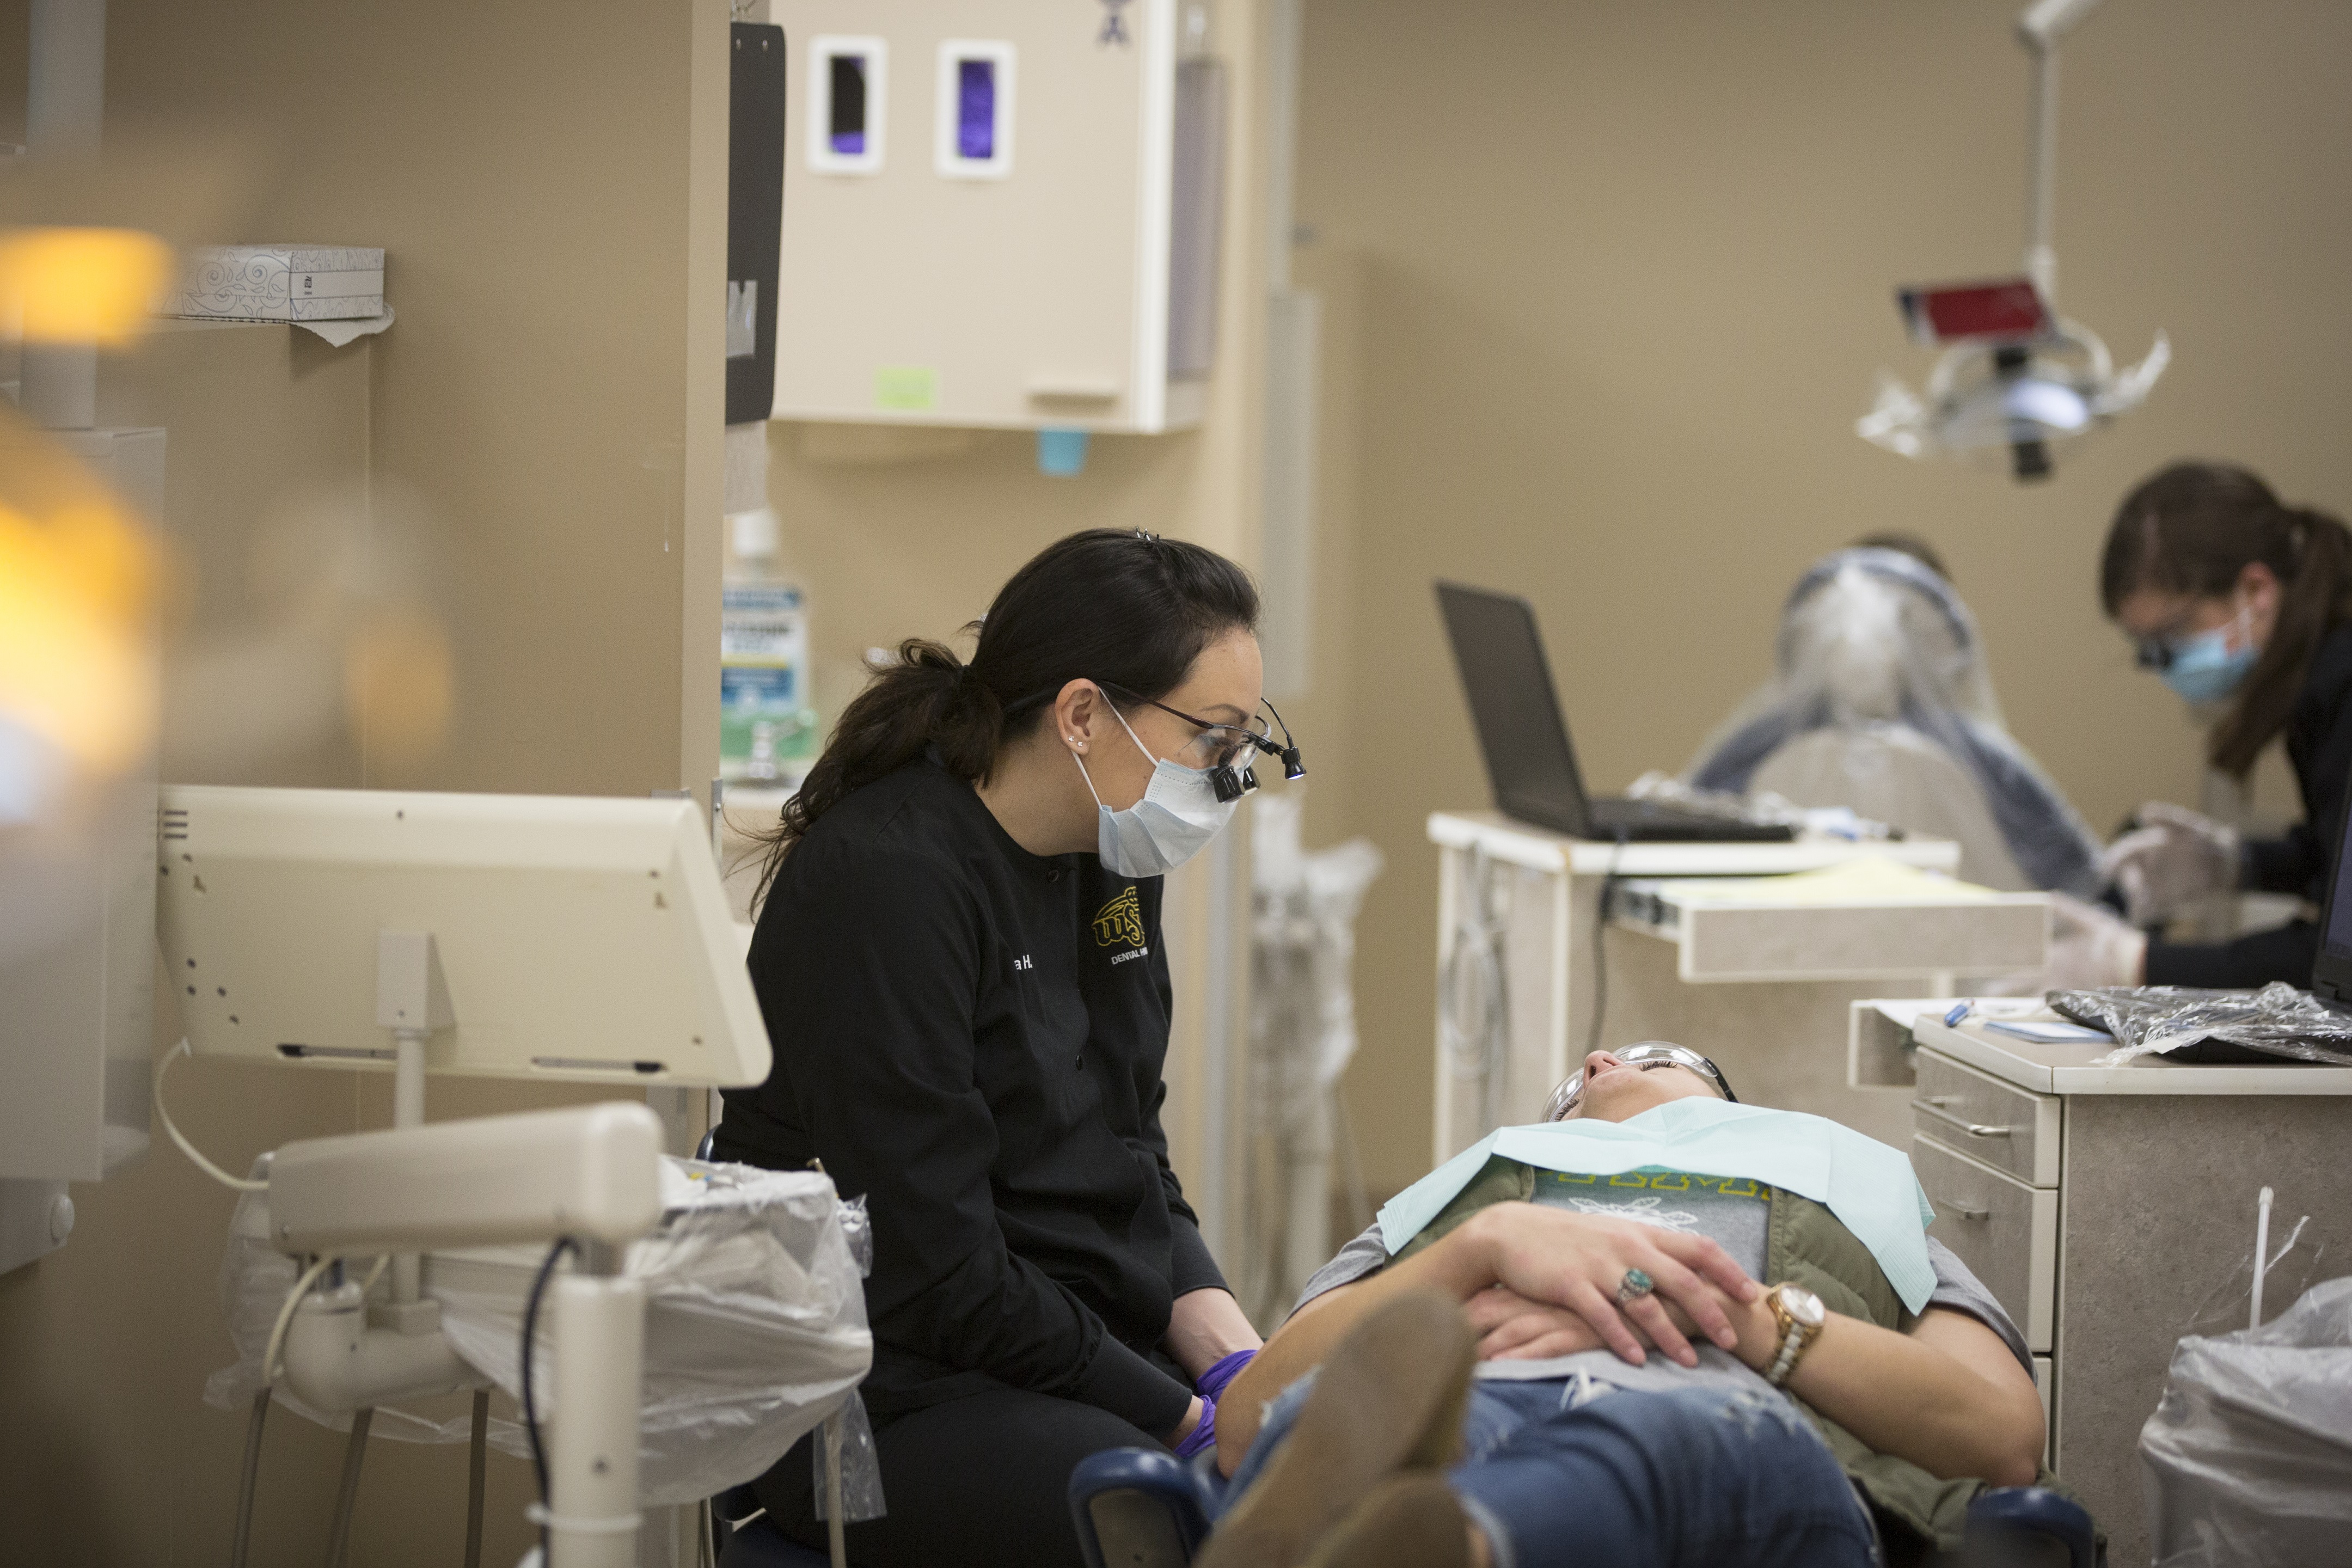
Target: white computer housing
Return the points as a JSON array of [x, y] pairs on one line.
[[575, 938]]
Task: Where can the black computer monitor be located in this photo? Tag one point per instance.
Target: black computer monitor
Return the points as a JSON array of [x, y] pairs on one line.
[[2331, 973]]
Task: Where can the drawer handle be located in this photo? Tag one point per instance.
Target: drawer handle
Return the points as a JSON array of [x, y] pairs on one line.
[[1973, 1129], [1961, 1209]]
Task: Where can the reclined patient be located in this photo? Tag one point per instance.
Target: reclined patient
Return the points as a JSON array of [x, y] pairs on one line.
[[1556, 1349]]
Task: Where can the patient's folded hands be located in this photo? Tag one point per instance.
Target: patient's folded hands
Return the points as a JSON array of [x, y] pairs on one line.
[[1557, 1259], [1511, 1328]]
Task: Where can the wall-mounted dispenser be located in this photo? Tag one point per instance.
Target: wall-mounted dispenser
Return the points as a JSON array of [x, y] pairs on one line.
[[1051, 265], [755, 192]]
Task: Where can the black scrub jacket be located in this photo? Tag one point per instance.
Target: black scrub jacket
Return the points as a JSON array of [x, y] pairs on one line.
[[2319, 746], [971, 1036]]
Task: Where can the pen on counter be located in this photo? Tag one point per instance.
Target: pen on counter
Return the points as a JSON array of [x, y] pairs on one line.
[[1959, 1011]]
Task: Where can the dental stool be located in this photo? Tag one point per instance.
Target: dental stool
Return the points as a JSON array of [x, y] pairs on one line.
[[1144, 1507]]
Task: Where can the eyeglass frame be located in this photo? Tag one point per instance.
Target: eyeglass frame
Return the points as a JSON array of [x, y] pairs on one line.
[[1658, 1054], [1232, 783]]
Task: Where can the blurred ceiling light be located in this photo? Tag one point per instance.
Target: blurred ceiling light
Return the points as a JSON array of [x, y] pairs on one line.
[[79, 285], [2014, 374], [78, 593]]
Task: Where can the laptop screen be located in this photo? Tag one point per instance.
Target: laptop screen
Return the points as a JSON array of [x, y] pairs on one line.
[[1512, 704]]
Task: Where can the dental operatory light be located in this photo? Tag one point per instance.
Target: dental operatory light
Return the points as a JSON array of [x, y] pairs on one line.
[[2014, 374]]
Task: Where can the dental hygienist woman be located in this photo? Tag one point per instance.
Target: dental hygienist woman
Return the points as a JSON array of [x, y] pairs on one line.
[[2242, 605], [959, 956]]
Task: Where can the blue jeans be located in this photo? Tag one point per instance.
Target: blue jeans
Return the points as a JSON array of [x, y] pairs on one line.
[[1698, 1478]]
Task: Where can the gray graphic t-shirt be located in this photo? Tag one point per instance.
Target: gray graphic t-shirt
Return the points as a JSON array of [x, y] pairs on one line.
[[1732, 1211]]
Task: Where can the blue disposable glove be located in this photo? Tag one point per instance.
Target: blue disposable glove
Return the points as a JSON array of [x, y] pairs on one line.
[[1213, 1382], [1203, 1436]]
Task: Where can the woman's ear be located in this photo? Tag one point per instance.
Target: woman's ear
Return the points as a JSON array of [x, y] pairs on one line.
[[1076, 709]]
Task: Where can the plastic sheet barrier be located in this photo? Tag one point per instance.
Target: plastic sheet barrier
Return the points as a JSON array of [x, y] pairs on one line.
[[2249, 1455], [2276, 1023], [755, 1329]]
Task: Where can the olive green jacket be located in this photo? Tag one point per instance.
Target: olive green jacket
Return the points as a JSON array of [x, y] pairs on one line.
[[1803, 1243]]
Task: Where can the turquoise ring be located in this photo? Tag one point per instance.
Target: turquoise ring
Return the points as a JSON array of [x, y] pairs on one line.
[[1635, 1286]]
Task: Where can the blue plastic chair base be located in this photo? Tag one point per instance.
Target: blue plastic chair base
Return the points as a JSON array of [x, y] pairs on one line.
[[759, 1543], [1141, 1508], [2030, 1512]]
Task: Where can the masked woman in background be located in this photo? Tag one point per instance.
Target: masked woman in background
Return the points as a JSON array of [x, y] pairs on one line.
[[2243, 607], [959, 958]]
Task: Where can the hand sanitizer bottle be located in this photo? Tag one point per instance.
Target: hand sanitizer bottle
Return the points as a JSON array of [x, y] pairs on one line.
[[767, 727]]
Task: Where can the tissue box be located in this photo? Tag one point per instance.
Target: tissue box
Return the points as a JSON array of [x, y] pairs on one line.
[[277, 283]]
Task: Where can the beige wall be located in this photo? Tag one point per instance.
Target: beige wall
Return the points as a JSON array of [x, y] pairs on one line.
[[1626, 278], [547, 179]]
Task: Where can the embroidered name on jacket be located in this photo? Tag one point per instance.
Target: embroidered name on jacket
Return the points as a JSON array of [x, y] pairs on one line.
[[1121, 921]]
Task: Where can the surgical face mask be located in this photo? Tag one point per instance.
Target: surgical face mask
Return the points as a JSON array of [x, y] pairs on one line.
[[1179, 812], [2206, 668]]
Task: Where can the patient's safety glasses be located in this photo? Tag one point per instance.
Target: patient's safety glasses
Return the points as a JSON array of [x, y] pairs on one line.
[[1646, 1057]]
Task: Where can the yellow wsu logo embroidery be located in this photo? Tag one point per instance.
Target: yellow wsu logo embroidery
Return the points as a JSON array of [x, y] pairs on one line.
[[1120, 921]]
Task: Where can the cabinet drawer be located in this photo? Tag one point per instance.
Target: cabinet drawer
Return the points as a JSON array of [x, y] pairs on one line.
[[2006, 1231], [2003, 1125], [1751, 934], [2044, 1367]]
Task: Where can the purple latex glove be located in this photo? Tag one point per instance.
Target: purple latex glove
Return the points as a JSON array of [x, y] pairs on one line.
[[1204, 1435], [1213, 1382]]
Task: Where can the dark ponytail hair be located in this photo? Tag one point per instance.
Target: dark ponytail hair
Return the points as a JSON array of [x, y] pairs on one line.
[[1123, 608], [2193, 528]]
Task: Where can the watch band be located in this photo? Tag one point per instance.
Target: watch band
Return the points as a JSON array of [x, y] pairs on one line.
[[1795, 1338]]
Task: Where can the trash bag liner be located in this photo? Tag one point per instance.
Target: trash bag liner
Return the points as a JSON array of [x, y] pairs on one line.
[[755, 1329], [2248, 1458], [2277, 1023]]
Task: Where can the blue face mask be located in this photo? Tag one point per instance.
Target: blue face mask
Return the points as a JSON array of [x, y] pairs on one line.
[[2206, 668]]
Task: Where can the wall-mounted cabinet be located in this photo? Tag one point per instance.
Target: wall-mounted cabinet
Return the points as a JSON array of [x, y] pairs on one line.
[[998, 213]]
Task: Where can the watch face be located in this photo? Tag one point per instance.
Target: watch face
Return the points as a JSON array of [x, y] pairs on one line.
[[1803, 1305]]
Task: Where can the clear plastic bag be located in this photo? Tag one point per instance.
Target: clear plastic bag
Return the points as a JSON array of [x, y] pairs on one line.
[[755, 1327], [1881, 701], [861, 1472], [2294, 1265], [2249, 1455], [857, 1230], [2276, 1023]]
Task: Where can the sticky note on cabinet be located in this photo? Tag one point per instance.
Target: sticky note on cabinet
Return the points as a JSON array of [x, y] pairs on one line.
[[907, 388]]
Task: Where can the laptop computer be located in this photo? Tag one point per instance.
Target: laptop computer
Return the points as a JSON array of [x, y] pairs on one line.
[[1530, 761]]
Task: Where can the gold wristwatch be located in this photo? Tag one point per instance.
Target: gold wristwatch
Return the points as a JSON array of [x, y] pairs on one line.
[[1800, 1315]]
